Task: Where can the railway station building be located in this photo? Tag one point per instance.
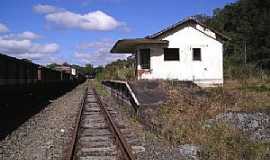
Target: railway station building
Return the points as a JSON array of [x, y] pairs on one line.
[[186, 51]]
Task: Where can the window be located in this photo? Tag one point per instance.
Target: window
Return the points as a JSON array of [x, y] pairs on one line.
[[171, 54], [145, 58], [197, 54]]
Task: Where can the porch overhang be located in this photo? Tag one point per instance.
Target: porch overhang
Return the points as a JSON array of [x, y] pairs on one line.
[[129, 45]]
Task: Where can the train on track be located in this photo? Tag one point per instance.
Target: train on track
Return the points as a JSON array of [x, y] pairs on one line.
[[22, 76]]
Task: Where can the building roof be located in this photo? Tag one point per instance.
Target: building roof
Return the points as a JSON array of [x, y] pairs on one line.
[[188, 21], [129, 45]]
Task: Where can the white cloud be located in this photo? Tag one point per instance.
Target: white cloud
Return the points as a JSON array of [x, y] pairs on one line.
[[27, 49], [45, 9], [44, 49], [97, 20], [58, 59], [22, 45], [98, 58], [97, 53], [106, 43], [88, 2], [21, 36], [29, 35], [3, 28]]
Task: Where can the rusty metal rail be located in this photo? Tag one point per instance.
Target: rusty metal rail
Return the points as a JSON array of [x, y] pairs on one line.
[[125, 148], [70, 150]]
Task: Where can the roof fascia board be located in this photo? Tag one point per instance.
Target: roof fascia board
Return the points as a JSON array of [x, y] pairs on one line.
[[168, 31]]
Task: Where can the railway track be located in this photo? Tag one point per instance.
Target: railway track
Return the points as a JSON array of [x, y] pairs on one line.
[[99, 135]]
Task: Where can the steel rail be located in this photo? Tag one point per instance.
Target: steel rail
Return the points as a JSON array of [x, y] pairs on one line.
[[71, 149], [124, 147]]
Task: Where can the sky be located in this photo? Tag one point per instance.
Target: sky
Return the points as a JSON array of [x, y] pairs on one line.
[[84, 31]]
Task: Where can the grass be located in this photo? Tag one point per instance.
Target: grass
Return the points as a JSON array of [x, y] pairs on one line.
[[259, 88], [219, 141], [223, 142], [99, 88], [183, 119]]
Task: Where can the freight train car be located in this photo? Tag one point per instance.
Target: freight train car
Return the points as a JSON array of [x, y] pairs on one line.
[[15, 72], [66, 76], [21, 76], [47, 75]]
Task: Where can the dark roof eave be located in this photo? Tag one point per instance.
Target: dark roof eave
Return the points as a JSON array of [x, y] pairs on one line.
[[129, 45]]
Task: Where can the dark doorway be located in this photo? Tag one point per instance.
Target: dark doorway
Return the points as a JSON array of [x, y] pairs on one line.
[[145, 58]]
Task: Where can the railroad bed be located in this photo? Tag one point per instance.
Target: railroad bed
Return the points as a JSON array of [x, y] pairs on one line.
[[100, 135]]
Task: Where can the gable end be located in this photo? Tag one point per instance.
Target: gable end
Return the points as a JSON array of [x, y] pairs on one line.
[[189, 22]]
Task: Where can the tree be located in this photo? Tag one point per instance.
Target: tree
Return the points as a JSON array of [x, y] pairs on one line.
[[202, 18], [66, 64], [99, 69], [52, 65], [247, 23], [88, 69]]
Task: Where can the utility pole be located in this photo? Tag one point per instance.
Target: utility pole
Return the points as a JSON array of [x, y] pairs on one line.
[[245, 64], [245, 52]]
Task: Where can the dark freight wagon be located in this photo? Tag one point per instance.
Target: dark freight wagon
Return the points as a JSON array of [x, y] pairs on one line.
[[17, 72], [48, 75], [22, 76]]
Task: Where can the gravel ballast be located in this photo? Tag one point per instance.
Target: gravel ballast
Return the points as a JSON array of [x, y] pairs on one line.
[[46, 135]]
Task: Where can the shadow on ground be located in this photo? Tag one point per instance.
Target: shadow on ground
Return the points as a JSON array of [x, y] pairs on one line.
[[16, 109]]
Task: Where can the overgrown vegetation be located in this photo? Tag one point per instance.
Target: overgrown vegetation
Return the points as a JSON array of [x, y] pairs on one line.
[[118, 70], [247, 23], [184, 119], [99, 88], [223, 142]]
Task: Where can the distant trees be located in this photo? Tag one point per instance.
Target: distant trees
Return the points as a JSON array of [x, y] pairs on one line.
[[99, 69], [88, 69], [52, 65], [203, 18], [247, 22]]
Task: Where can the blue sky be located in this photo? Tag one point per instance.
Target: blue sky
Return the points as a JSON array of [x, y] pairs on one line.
[[83, 31]]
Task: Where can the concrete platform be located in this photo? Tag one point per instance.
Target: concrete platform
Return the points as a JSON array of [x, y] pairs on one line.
[[149, 92]]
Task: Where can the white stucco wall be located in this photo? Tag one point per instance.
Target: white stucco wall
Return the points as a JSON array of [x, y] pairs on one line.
[[206, 72], [73, 71]]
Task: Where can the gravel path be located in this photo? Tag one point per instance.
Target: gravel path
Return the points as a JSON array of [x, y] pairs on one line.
[[45, 135]]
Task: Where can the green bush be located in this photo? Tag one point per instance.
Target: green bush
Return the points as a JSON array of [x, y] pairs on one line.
[[118, 70]]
